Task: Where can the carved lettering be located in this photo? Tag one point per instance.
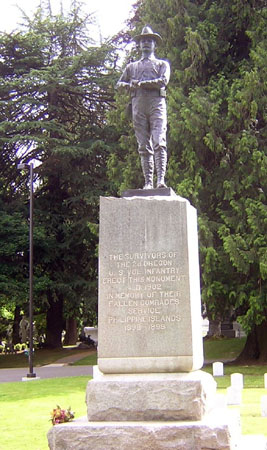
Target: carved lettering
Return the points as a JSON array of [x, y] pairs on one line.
[[143, 290]]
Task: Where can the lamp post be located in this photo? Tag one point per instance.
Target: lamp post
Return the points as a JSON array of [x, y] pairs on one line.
[[29, 167]]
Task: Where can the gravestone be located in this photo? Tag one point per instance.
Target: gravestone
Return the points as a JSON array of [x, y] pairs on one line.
[[217, 368], [234, 392], [148, 390], [234, 395], [237, 380], [227, 329]]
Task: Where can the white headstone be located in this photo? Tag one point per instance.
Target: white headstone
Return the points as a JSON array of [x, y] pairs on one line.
[[264, 406], [234, 396], [237, 380], [217, 369], [265, 380]]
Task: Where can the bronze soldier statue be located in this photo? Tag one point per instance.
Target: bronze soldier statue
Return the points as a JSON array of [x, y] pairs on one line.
[[146, 80]]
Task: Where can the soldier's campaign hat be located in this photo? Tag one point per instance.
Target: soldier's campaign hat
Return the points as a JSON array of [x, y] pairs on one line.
[[148, 32]]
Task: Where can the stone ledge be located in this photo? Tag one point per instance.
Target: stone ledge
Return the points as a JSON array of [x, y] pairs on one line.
[[161, 364], [217, 432], [160, 192], [169, 396]]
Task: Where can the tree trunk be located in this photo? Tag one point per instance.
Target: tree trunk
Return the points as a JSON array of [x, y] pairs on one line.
[[54, 321], [255, 349], [71, 336], [15, 335]]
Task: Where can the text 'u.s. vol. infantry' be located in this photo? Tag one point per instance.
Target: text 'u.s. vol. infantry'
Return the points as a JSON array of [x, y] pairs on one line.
[[143, 290]]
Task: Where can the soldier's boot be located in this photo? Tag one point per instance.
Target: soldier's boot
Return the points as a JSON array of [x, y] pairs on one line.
[[147, 163], [161, 164]]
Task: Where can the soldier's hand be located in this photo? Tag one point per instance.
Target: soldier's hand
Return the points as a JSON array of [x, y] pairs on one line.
[[141, 83], [150, 84], [121, 85], [146, 83], [134, 83]]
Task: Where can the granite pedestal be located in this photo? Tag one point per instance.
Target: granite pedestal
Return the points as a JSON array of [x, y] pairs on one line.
[[215, 432], [148, 391], [149, 290], [147, 397]]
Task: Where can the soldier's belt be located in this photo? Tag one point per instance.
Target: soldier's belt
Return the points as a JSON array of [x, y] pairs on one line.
[[141, 92]]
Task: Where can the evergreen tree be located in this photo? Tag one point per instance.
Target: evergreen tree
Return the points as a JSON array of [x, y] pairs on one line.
[[217, 145], [55, 90]]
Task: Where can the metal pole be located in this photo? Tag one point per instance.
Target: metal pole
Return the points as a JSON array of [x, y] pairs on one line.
[[31, 374]]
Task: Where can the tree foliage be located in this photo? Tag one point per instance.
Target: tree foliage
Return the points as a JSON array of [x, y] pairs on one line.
[[217, 140], [56, 91], [56, 88]]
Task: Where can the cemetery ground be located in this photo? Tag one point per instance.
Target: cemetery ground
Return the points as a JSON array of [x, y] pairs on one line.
[[42, 357], [25, 406]]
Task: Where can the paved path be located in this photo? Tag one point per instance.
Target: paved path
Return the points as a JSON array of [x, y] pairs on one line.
[[61, 368], [51, 371]]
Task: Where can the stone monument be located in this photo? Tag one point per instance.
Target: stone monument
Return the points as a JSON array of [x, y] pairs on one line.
[[148, 391], [149, 296], [24, 327]]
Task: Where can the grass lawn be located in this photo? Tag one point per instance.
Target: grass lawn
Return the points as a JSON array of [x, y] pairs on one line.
[[41, 357], [253, 375], [250, 409], [90, 360], [222, 349], [25, 406], [25, 409]]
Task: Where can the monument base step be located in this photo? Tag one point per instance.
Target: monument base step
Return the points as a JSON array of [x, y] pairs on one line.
[[142, 397], [217, 431]]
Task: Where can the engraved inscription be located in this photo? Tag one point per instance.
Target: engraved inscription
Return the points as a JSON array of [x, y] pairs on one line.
[[143, 290]]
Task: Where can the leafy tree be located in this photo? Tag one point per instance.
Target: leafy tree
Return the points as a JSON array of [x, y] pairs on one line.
[[55, 91], [217, 145]]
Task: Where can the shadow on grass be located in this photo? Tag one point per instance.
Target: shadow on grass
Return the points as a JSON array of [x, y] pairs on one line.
[[223, 348]]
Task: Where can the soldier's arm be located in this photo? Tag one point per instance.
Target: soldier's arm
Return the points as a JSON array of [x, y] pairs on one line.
[[161, 81], [125, 81]]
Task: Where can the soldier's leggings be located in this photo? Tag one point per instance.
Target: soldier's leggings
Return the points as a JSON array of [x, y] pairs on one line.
[[150, 123]]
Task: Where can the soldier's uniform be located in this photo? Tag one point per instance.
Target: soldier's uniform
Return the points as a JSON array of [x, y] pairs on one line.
[[149, 113]]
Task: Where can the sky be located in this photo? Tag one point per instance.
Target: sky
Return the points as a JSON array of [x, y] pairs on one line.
[[110, 14]]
